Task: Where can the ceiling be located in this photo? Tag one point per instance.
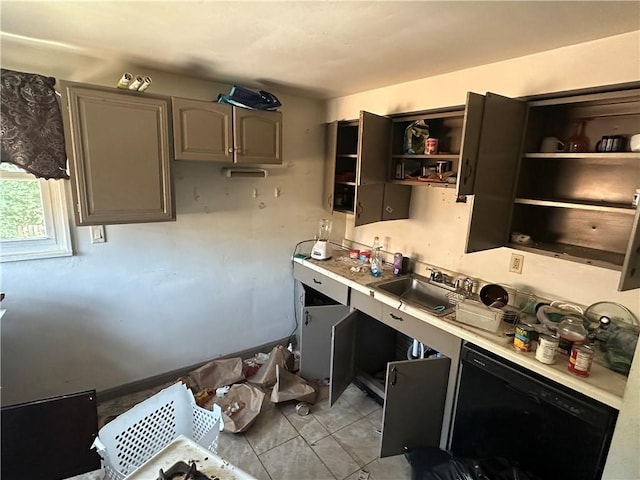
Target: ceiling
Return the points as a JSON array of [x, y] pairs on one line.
[[315, 48]]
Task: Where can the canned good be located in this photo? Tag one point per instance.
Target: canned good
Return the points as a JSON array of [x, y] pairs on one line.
[[431, 146], [443, 166], [302, 409], [547, 348], [365, 256], [581, 359], [525, 335]]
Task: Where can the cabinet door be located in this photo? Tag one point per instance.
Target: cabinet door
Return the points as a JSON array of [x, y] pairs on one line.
[[118, 145], [202, 131], [415, 396], [374, 146], [630, 276], [396, 201], [257, 136], [343, 348], [497, 168], [315, 339], [470, 141], [369, 199], [330, 166]]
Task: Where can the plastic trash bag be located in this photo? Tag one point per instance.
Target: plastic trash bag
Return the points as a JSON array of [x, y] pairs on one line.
[[245, 98]]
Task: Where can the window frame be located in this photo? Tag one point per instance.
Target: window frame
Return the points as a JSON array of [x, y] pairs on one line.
[[57, 242]]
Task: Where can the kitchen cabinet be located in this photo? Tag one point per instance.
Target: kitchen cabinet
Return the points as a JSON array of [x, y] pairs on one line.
[[457, 130], [575, 206], [343, 344], [214, 132], [356, 171], [119, 149]]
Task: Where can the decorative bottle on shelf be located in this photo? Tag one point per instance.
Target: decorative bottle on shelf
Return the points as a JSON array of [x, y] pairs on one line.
[[376, 258], [578, 142]]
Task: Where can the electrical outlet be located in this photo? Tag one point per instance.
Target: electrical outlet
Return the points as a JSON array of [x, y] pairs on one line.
[[515, 265], [97, 234]]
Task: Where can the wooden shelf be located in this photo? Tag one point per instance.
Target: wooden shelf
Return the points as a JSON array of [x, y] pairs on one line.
[[437, 156], [343, 210], [347, 155], [594, 155], [353, 184], [574, 253], [611, 208], [423, 184]]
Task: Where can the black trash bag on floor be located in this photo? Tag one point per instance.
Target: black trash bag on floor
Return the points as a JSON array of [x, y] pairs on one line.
[[433, 463]]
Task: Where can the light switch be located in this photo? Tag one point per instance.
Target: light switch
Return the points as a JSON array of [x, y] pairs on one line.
[[97, 234]]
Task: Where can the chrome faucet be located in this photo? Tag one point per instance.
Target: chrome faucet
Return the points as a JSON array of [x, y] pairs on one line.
[[465, 285]]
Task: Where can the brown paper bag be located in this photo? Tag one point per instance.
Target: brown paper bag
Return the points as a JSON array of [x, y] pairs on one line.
[[240, 407], [218, 373], [266, 375], [290, 386]]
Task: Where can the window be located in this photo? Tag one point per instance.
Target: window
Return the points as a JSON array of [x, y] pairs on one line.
[[33, 216]]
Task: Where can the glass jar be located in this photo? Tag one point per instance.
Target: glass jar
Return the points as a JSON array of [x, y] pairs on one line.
[[578, 142], [571, 331]]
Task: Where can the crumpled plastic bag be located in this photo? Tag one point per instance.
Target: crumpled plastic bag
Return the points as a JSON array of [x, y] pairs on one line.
[[415, 137], [290, 386]]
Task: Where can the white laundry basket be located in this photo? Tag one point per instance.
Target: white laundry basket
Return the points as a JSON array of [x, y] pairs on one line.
[[135, 436]]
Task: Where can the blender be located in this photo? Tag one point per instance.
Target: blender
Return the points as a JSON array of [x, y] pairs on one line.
[[322, 249]]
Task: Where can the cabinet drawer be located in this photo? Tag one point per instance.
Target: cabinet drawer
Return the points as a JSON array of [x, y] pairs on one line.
[[332, 288], [366, 303], [442, 341]]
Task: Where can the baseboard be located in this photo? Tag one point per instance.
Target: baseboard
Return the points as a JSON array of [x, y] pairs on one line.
[[156, 380]]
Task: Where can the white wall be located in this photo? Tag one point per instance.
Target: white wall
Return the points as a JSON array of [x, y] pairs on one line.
[[436, 231], [161, 296]]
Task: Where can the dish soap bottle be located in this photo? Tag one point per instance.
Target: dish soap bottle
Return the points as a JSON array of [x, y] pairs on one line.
[[376, 258]]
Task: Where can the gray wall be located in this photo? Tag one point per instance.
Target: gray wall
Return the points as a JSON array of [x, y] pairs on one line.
[[157, 297]]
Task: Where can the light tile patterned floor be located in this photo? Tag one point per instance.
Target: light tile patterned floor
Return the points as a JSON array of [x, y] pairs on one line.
[[330, 443]]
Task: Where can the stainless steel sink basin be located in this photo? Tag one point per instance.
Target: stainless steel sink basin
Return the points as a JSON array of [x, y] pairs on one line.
[[419, 292]]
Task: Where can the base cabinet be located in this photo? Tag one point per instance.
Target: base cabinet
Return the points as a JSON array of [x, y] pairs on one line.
[[343, 344]]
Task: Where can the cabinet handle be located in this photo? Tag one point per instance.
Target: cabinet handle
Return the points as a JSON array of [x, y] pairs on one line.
[[359, 210], [306, 318], [389, 209], [394, 376], [230, 149], [317, 282], [395, 317], [238, 150], [467, 169]]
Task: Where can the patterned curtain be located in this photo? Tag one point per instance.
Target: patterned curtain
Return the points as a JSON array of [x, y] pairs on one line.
[[31, 131]]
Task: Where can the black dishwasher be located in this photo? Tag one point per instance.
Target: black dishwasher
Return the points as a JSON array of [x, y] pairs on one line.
[[507, 411]]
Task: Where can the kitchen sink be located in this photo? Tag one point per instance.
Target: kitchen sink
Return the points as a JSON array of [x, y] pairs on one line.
[[419, 292]]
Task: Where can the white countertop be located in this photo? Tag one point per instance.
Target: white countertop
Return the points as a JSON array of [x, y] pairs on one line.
[[602, 384]]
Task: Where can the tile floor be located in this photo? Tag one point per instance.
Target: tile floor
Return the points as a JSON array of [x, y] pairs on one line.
[[330, 443]]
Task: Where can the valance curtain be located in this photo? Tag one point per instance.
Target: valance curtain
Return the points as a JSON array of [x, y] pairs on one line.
[[31, 131]]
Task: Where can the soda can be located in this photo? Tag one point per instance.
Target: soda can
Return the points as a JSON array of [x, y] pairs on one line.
[[524, 337], [137, 82], [146, 81]]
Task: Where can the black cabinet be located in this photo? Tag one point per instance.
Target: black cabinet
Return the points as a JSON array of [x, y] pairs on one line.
[[574, 205], [356, 171]]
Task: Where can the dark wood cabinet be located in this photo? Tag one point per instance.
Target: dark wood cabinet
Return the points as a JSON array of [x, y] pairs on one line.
[[119, 149], [356, 171], [574, 206]]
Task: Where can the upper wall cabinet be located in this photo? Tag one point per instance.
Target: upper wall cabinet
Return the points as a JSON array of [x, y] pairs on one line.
[[119, 148], [569, 199], [449, 164], [214, 132], [356, 171]]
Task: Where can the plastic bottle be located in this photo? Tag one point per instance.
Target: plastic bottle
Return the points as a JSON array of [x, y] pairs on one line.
[[376, 258]]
